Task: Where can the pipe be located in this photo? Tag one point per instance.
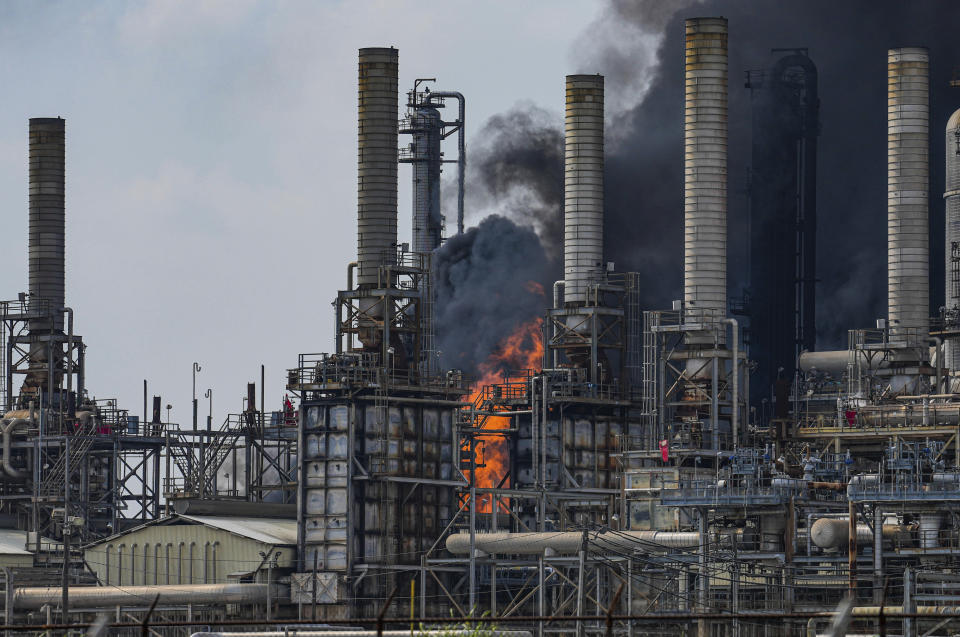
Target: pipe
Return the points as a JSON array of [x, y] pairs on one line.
[[735, 409], [366, 633], [908, 250], [8, 427], [353, 265], [583, 187], [33, 597], [377, 162], [705, 168], [568, 542], [461, 150]]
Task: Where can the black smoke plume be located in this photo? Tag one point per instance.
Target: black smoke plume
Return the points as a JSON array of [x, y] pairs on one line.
[[484, 290], [516, 161]]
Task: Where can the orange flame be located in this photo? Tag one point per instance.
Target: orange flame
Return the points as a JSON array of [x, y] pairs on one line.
[[521, 350], [534, 288]]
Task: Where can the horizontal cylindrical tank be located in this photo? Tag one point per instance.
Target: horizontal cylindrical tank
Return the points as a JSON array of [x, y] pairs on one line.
[[377, 162], [705, 167], [831, 533], [908, 250], [583, 186]]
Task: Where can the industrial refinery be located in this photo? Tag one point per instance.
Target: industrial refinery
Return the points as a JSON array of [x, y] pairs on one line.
[[613, 467]]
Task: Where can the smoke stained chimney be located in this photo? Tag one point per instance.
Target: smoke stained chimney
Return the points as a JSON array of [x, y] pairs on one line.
[[377, 123], [47, 222], [583, 186], [908, 178], [705, 168]]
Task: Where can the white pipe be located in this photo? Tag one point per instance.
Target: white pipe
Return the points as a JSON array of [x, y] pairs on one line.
[[568, 542], [33, 597]]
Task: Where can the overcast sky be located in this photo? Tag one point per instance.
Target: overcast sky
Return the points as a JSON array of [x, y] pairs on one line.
[[211, 164]]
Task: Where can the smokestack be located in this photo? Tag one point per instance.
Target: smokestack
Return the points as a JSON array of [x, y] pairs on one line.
[[705, 168], [47, 226], [952, 248], [377, 162], [583, 186], [908, 118]]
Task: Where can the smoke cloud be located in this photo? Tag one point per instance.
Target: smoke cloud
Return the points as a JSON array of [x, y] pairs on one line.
[[517, 169], [484, 291]]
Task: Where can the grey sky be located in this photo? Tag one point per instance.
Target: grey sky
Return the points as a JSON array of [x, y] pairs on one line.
[[211, 153]]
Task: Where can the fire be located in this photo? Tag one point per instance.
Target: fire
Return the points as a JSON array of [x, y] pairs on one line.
[[534, 288], [521, 350]]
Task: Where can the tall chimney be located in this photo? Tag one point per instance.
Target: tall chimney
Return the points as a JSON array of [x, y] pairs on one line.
[[377, 162], [705, 168], [47, 226], [952, 248], [583, 186], [908, 250]]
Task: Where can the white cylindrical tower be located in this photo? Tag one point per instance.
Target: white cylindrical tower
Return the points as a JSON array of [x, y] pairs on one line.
[[951, 198], [908, 178], [583, 186], [705, 168], [377, 123]]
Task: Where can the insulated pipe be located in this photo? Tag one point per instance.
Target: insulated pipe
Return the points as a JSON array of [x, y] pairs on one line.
[[568, 542], [583, 186], [908, 176], [952, 248], [705, 168], [366, 633], [8, 427], [377, 162], [34, 597]]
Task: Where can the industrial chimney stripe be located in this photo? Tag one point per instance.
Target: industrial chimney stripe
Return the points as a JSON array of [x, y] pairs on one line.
[[583, 186], [377, 162], [908, 250], [705, 167]]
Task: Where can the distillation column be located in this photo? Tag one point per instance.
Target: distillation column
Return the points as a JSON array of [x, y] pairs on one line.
[[908, 119], [46, 242], [705, 168], [952, 248], [583, 187]]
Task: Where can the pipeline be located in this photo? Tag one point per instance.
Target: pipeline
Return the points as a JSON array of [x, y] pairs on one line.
[[34, 597], [367, 633], [568, 542]]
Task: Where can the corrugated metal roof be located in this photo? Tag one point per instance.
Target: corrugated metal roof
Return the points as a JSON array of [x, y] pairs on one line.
[[266, 530], [13, 542]]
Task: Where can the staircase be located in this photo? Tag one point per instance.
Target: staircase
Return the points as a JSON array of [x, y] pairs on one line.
[[53, 482]]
